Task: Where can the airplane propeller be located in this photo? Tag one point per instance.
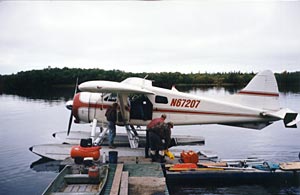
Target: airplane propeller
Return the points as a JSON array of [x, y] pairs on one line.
[[69, 106]]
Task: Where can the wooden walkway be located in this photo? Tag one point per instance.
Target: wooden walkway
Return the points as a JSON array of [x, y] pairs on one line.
[[133, 175], [135, 179]]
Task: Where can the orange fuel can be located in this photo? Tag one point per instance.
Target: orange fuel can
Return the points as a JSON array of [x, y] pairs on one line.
[[189, 157]]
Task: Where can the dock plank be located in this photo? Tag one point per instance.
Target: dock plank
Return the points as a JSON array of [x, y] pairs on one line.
[[147, 185], [117, 179], [124, 183]]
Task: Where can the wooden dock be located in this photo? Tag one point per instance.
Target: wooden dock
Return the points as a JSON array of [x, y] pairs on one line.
[[143, 179], [133, 175], [136, 175]]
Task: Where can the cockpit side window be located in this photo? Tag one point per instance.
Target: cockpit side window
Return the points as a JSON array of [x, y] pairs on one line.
[[161, 99], [111, 97]]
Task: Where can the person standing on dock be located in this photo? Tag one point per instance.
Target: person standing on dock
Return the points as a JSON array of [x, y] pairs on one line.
[[111, 116], [160, 139], [152, 124]]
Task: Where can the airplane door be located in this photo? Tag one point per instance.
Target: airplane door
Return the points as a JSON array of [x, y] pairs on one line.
[[141, 108]]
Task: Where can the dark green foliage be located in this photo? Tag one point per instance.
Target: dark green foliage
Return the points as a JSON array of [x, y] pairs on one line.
[[288, 81], [56, 77]]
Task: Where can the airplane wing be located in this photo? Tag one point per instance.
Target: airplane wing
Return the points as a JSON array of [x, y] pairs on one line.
[[110, 86]]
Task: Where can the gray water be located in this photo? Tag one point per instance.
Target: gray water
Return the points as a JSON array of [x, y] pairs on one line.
[[27, 121]]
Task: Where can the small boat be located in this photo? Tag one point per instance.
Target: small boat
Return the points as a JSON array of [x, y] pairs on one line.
[[79, 180]]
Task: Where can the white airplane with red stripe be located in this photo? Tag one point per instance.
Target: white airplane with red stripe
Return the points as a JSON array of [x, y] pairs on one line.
[[256, 106]]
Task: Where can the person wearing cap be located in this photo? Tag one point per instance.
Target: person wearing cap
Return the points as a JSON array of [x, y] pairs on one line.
[[152, 124], [160, 139]]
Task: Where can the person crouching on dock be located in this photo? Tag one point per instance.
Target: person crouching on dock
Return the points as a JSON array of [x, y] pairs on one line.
[[153, 123], [160, 138]]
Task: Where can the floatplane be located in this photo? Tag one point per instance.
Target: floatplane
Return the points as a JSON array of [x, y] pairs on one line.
[[256, 106]]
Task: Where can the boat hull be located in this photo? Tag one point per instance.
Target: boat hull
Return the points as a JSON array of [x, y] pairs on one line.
[[76, 180]]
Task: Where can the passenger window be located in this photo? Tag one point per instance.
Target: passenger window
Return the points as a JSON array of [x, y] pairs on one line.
[[161, 99]]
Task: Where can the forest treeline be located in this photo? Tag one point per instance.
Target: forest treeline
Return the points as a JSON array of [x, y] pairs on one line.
[[60, 77]]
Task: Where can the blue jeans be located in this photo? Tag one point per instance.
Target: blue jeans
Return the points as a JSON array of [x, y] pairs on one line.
[[112, 132]]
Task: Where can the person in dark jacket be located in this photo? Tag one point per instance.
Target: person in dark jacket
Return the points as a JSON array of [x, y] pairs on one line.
[[160, 139], [153, 123], [111, 116]]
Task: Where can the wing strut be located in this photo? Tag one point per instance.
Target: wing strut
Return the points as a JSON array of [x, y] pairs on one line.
[[101, 137], [131, 132]]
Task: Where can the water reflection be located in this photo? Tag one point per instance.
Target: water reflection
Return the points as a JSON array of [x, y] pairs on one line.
[[228, 89], [232, 89], [236, 190], [44, 164], [290, 88], [46, 94]]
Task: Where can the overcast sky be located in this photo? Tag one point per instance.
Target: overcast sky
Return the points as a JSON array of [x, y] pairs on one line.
[[157, 36]]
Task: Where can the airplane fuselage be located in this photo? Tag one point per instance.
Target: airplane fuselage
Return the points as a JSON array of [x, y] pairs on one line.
[[180, 108]]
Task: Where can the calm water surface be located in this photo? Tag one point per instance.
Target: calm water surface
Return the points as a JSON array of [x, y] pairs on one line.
[[26, 121]]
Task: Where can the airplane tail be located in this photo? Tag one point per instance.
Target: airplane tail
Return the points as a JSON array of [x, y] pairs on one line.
[[262, 93]]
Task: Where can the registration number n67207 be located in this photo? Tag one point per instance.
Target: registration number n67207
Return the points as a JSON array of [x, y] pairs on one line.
[[186, 103]]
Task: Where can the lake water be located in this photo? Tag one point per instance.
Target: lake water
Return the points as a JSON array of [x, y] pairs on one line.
[[31, 120]]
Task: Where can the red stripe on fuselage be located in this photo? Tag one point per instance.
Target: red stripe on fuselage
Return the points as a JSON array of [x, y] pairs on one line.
[[257, 93], [204, 113], [78, 104]]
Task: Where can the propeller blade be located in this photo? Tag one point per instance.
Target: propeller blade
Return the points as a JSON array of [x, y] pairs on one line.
[[70, 123], [71, 116], [76, 86]]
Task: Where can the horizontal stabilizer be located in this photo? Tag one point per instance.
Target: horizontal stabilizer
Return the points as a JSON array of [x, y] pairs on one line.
[[290, 120], [289, 117]]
